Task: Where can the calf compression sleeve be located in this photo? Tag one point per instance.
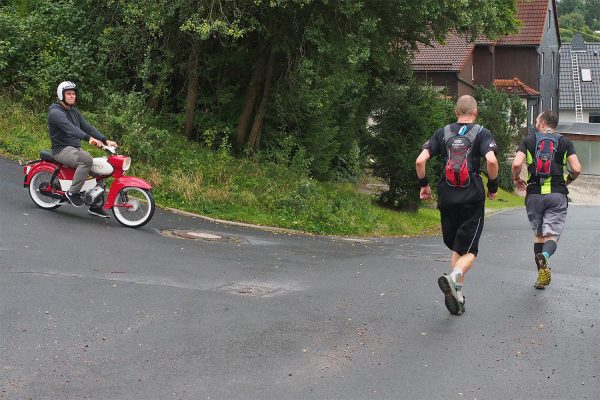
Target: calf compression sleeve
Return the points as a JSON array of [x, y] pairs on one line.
[[549, 248], [538, 248]]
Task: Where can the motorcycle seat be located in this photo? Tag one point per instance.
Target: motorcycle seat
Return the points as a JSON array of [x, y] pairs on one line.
[[46, 155]]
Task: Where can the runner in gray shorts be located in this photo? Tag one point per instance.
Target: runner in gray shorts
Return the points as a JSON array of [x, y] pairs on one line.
[[547, 213], [549, 156]]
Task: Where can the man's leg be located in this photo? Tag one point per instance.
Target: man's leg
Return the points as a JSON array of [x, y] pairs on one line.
[[463, 239], [461, 265], [82, 161], [538, 244], [553, 222], [534, 204], [466, 241], [450, 224]]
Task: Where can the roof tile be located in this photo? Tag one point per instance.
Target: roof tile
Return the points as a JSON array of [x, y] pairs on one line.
[[515, 86], [450, 56], [532, 14], [590, 91]]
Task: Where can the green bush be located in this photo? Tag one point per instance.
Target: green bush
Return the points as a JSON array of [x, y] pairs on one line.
[[505, 180], [503, 115], [405, 117]]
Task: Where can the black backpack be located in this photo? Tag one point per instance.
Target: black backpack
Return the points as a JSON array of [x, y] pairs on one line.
[[459, 165]]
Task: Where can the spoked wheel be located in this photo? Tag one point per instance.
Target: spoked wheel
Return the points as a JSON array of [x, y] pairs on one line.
[[133, 207], [38, 182]]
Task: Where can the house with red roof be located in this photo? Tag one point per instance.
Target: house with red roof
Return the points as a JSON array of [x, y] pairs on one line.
[[525, 63]]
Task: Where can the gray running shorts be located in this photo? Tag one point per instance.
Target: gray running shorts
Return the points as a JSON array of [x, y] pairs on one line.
[[547, 213]]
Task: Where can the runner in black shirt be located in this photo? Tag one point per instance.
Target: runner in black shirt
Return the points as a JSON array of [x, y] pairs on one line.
[[546, 199], [461, 208]]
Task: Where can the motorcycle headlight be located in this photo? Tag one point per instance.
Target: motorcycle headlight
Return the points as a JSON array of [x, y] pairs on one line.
[[126, 163], [120, 162]]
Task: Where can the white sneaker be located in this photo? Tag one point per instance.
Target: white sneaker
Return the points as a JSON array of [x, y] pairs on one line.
[[454, 300]]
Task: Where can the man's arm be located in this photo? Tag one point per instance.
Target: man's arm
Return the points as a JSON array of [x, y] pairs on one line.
[[517, 165], [574, 168], [96, 138], [492, 170], [91, 130], [420, 166]]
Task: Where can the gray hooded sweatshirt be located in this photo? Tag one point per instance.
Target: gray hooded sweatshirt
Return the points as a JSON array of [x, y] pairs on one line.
[[69, 128]]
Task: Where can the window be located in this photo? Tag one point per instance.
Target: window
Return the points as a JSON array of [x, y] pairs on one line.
[[594, 118], [553, 57], [531, 116], [587, 153], [586, 75], [472, 72], [552, 103], [542, 63], [549, 18], [542, 105]]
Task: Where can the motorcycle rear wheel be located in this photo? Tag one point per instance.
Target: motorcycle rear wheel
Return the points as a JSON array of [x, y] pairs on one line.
[[38, 180], [134, 207]]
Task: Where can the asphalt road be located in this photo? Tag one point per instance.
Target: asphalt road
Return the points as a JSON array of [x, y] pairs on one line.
[[93, 310]]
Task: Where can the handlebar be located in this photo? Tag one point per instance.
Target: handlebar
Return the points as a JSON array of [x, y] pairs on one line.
[[110, 149]]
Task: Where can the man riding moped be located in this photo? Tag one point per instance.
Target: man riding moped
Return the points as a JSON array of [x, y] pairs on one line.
[[67, 128]]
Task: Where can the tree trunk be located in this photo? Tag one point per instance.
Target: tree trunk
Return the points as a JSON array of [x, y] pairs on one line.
[[250, 102], [259, 119], [153, 102], [192, 92]]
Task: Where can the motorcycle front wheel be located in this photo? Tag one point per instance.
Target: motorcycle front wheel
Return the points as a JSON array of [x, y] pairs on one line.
[[133, 207], [38, 181]]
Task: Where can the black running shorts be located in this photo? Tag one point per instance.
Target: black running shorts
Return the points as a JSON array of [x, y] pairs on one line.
[[462, 226]]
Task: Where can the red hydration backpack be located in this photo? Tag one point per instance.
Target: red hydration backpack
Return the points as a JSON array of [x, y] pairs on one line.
[[459, 165], [545, 148]]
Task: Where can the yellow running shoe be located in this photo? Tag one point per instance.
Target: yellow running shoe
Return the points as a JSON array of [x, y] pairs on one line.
[[544, 274]]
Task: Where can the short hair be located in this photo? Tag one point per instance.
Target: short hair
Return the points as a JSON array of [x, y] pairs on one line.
[[550, 118], [466, 105]]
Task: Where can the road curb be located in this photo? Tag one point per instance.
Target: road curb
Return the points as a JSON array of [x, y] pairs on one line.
[[243, 224]]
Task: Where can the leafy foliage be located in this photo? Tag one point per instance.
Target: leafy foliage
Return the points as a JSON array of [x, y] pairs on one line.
[[306, 68], [504, 116], [579, 16], [277, 89], [407, 116]]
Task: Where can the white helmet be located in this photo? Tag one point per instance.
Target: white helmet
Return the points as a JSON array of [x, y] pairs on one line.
[[66, 85]]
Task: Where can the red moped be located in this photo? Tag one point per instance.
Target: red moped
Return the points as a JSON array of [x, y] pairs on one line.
[[130, 198]]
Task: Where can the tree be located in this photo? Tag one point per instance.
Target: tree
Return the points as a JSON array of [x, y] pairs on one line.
[[504, 116], [407, 115], [572, 23], [569, 6], [579, 16], [254, 70]]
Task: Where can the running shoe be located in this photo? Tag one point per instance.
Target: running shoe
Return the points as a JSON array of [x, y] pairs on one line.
[[544, 274], [455, 302]]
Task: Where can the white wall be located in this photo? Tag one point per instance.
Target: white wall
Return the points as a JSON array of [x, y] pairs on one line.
[[568, 115]]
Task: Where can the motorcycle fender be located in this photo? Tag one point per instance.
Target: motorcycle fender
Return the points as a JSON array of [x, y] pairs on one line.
[[31, 170], [121, 182]]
